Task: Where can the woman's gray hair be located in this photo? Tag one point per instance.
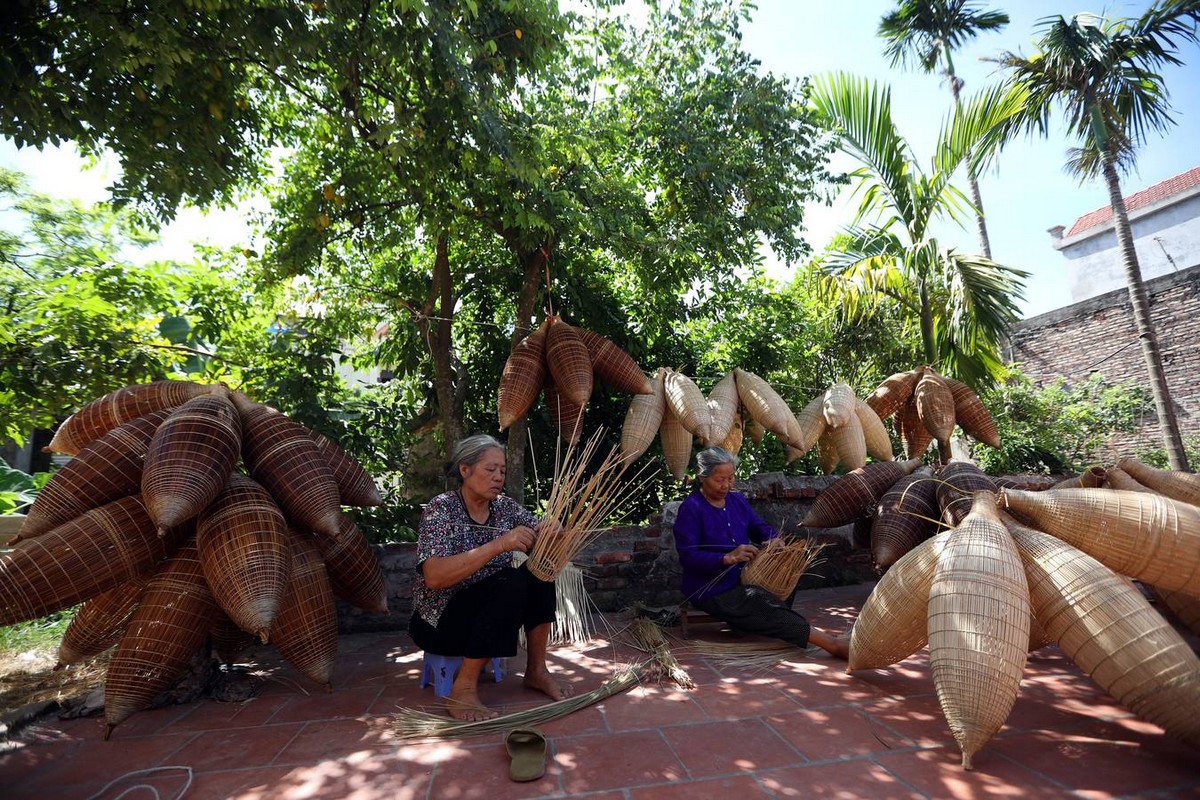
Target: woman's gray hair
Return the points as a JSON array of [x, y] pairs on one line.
[[469, 451], [710, 458]]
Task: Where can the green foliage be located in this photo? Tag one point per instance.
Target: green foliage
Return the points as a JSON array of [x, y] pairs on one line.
[[39, 634], [1157, 456], [1058, 428], [17, 489]]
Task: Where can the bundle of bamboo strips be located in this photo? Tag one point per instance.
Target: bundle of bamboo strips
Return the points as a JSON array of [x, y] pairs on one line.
[[781, 563]]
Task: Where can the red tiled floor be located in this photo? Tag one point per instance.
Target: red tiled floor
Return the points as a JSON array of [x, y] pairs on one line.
[[616, 760], [938, 772], [842, 779], [740, 787], [652, 707], [321, 705], [337, 739], [839, 732], [707, 749], [215, 750]]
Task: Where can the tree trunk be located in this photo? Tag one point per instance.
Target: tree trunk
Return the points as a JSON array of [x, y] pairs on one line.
[[531, 282], [1167, 422], [985, 244], [435, 326]]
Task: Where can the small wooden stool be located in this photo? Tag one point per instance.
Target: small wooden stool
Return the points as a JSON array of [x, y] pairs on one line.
[[688, 616], [441, 671]]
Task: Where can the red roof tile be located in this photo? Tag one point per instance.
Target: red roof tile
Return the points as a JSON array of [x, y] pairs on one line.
[[1159, 191]]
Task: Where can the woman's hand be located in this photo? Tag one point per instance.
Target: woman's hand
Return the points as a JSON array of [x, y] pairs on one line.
[[740, 554], [519, 538]]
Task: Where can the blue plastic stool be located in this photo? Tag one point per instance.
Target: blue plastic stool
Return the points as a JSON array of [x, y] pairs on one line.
[[441, 671]]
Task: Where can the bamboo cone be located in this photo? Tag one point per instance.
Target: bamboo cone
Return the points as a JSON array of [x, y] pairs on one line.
[[839, 404], [116, 408], [958, 482], [891, 395], [935, 407], [676, 444], [613, 365], [305, 629], [756, 430], [99, 622], [978, 627], [762, 403], [1181, 486], [722, 407], [1184, 606], [1117, 478], [875, 436], [849, 442], [907, 515], [972, 415], [1106, 627], [1088, 479], [353, 568], [733, 442], [569, 362], [1145, 536], [912, 431], [827, 452], [856, 494], [811, 423], [643, 420], [355, 485], [687, 403], [523, 376]]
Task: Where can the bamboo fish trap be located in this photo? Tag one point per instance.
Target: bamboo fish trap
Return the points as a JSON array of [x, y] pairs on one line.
[[115, 408], [354, 572], [99, 622], [780, 564], [762, 403], [723, 408], [891, 395], [907, 515], [1177, 485], [856, 494], [568, 361], [305, 629], [686, 401], [643, 419], [523, 376]]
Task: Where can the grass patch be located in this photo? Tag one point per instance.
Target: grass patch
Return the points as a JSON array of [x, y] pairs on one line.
[[28, 653]]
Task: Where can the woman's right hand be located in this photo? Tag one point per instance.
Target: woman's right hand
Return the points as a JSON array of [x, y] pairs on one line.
[[740, 554], [519, 538]]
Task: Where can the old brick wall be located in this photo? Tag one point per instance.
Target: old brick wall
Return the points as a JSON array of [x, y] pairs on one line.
[[1099, 336]]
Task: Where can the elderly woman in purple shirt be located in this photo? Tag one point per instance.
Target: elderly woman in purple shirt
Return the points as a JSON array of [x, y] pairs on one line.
[[716, 534]]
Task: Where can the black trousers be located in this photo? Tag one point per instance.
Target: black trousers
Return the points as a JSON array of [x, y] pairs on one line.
[[755, 610], [483, 620]]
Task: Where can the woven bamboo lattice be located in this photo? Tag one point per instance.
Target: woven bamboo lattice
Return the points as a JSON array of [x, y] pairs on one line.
[[565, 413], [107, 469], [971, 414], [935, 408], [827, 452], [99, 622], [687, 404], [89, 555], [305, 630], [246, 554], [781, 563], [755, 430], [1106, 627], [165, 632], [613, 365], [907, 515], [794, 434], [229, 641], [848, 440], [892, 394], [762, 403], [722, 407], [978, 626], [643, 419], [1177, 485], [733, 442], [856, 494], [811, 424], [1143, 535], [1185, 607], [893, 622], [1117, 478], [190, 458], [116, 408], [875, 435], [355, 485], [676, 443], [1090, 478], [839, 405], [568, 361], [912, 430], [523, 376], [957, 483], [283, 458], [354, 572]]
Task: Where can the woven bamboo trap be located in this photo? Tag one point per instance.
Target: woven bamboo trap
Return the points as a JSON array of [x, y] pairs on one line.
[[643, 419], [907, 515], [568, 361], [116, 408], [613, 365], [1177, 485], [957, 483], [892, 394], [676, 443], [354, 572], [355, 485], [856, 494], [875, 436], [762, 403], [305, 629], [523, 376], [779, 564], [723, 406], [99, 622], [687, 403]]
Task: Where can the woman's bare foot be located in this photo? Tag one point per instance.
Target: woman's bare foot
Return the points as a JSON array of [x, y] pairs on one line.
[[836, 646], [465, 705], [542, 681]]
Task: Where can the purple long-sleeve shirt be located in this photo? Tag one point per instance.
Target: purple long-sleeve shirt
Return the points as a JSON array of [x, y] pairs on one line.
[[704, 534]]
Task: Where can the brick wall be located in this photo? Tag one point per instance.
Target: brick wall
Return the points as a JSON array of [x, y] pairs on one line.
[[1098, 335]]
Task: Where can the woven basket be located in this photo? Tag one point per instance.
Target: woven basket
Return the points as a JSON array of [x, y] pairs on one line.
[[107, 469], [283, 458], [892, 624], [848, 440], [779, 565], [762, 403], [723, 408], [1182, 486], [566, 414], [1185, 607], [979, 615], [875, 436], [116, 408], [1107, 628], [353, 568], [523, 376], [166, 630], [891, 395], [246, 553], [971, 414], [687, 403], [907, 515], [305, 630], [1088, 479], [856, 494], [957, 483], [355, 485], [676, 444], [99, 622], [190, 458], [643, 419], [228, 641], [1145, 536], [89, 555], [811, 423], [1117, 478], [935, 408], [568, 361], [613, 365], [733, 441], [827, 452], [839, 405], [912, 431], [755, 430]]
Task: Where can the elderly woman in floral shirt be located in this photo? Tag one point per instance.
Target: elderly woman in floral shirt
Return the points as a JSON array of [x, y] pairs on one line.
[[469, 600]]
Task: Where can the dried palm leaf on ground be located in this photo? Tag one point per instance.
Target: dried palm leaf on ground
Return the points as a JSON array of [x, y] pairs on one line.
[[722, 408], [116, 408], [648, 636], [687, 403], [875, 436], [762, 403], [971, 414], [568, 361], [1143, 535], [523, 376], [935, 408], [613, 365], [107, 469], [643, 419], [906, 515], [1106, 627], [957, 483], [1090, 478], [99, 622], [856, 494], [838, 407], [978, 626], [1175, 484], [780, 564], [744, 655], [413, 724], [676, 443], [893, 393], [355, 485]]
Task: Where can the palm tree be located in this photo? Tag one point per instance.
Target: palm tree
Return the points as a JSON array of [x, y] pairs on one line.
[[927, 32], [1103, 75], [964, 302]]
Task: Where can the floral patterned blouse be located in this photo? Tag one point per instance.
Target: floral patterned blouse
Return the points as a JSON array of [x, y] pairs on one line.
[[447, 529]]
